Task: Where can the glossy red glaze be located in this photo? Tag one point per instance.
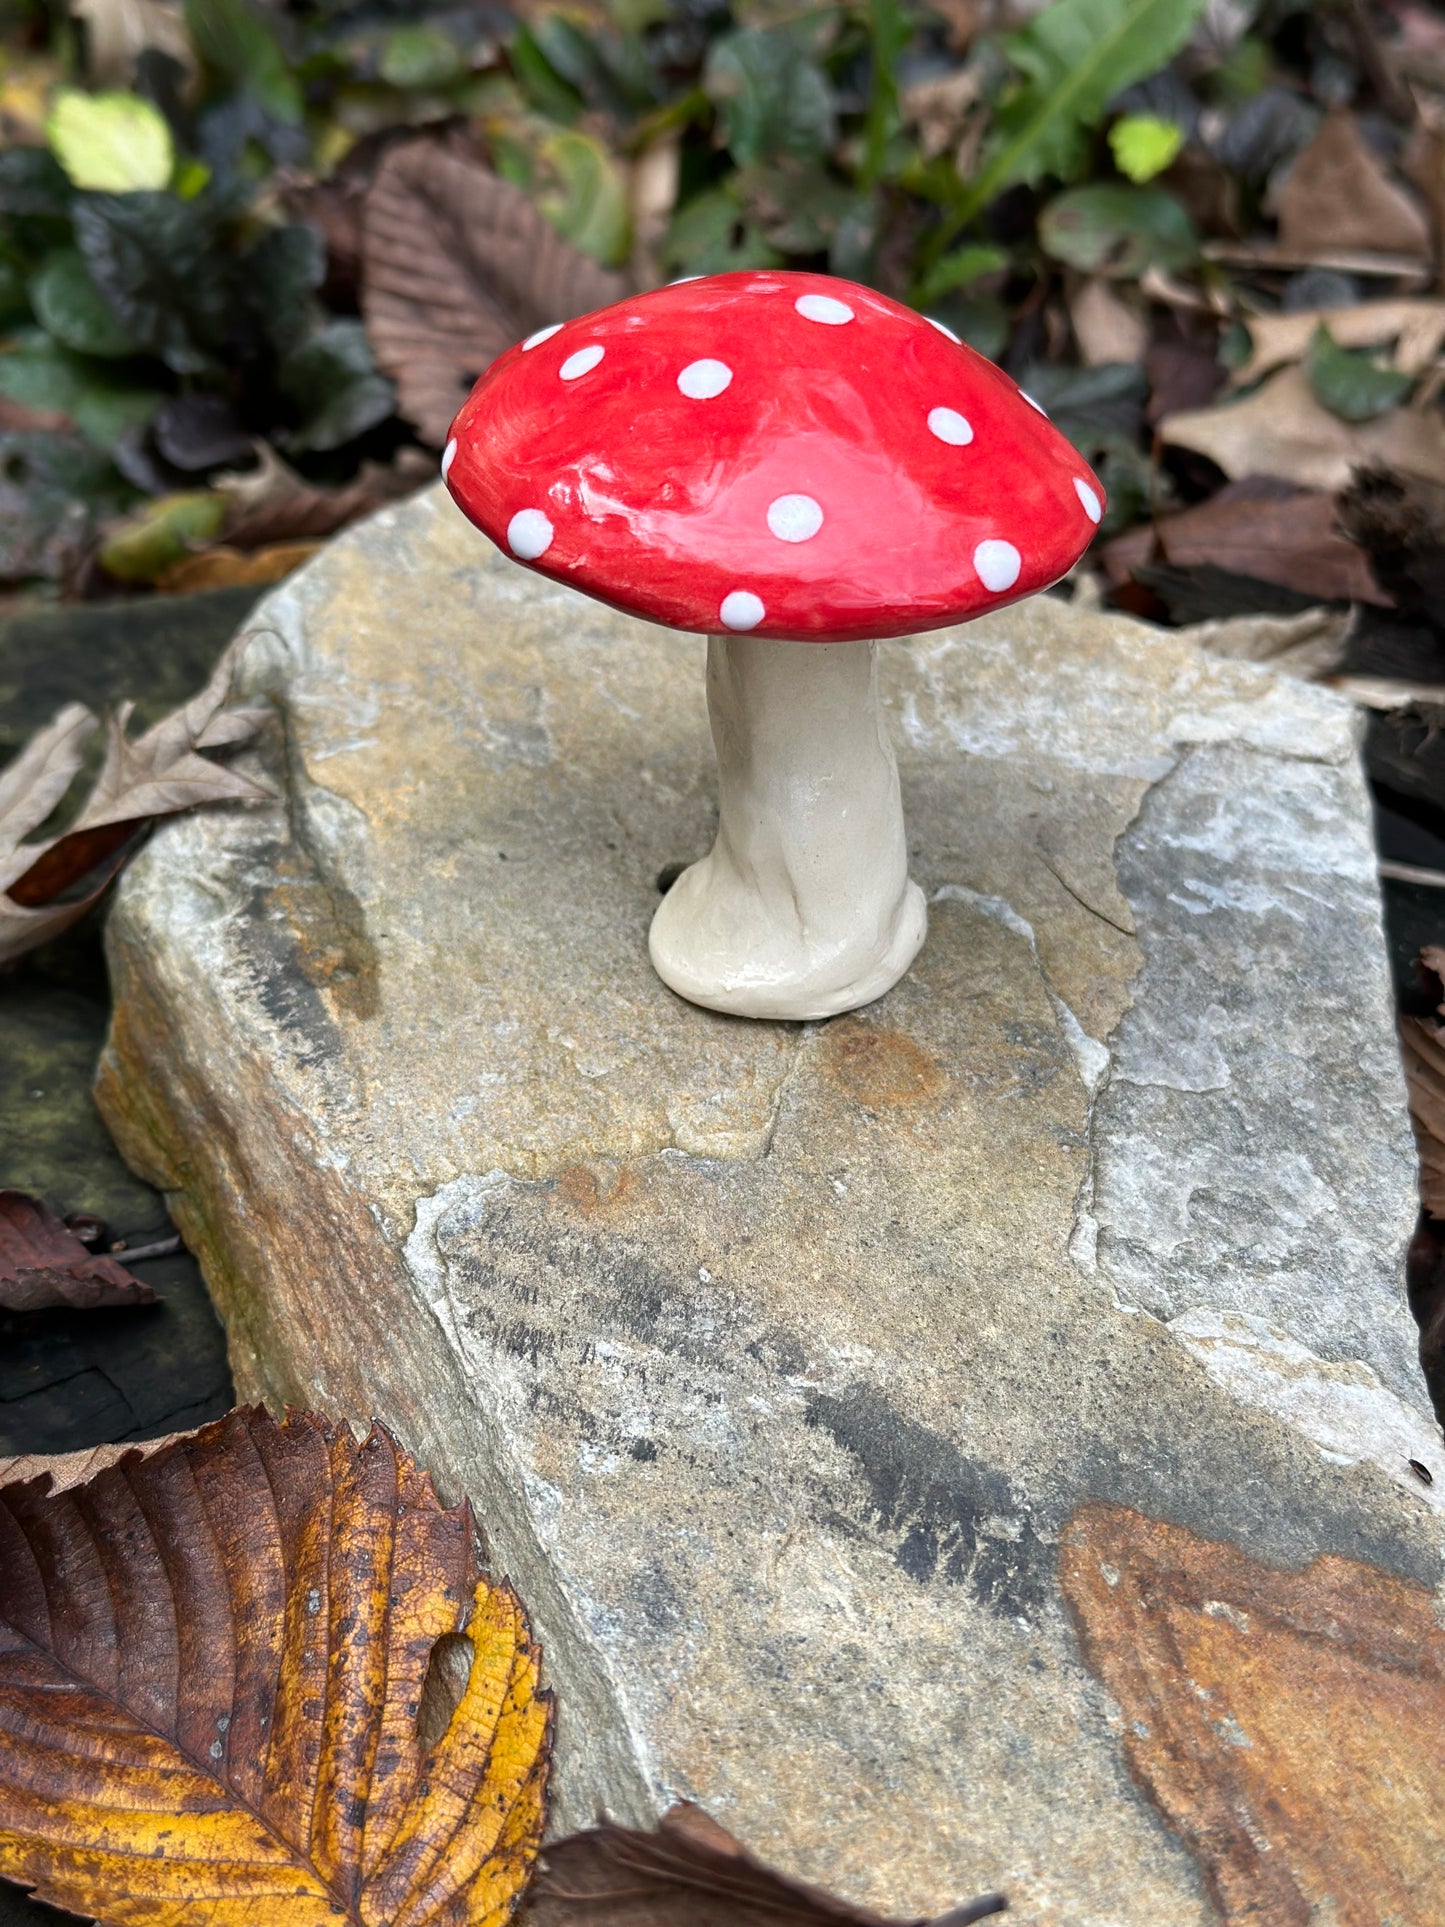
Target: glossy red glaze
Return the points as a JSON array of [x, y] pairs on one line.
[[860, 474]]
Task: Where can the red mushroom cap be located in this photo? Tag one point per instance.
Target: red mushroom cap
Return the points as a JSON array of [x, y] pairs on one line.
[[786, 454]]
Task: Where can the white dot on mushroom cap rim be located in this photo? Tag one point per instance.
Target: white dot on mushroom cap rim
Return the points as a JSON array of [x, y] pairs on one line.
[[1093, 507], [949, 426], [795, 518], [1035, 404], [449, 455], [701, 380], [741, 610], [942, 329], [529, 534], [997, 564], [823, 307], [583, 362], [542, 334]]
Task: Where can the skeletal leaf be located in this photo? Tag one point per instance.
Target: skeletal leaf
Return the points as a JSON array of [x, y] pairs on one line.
[[43, 1264], [459, 264], [213, 1659]]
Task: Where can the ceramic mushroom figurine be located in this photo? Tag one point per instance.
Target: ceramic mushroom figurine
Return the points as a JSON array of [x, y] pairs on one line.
[[794, 466]]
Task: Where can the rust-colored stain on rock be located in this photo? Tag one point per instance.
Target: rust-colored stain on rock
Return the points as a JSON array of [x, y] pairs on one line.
[[879, 1068], [1291, 1725]]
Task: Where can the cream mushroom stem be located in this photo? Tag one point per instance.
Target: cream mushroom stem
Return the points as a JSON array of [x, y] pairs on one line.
[[803, 907]]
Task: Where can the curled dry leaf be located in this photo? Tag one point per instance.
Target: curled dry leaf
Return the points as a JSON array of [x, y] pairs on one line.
[[1281, 430], [212, 1664], [692, 1870], [459, 264], [1422, 1044], [157, 774], [67, 1469], [271, 503], [43, 1264], [223, 567]]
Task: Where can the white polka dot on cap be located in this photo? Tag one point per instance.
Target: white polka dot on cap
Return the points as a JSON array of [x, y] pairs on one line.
[[795, 518], [942, 329], [529, 534], [741, 610], [949, 426], [701, 380], [542, 334], [1093, 507], [998, 565], [449, 455], [1034, 404], [583, 362], [823, 307]]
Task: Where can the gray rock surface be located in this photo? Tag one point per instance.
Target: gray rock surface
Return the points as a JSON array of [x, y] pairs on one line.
[[779, 1360]]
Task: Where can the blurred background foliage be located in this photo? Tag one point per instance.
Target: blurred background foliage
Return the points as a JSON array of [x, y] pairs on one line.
[[1120, 200]]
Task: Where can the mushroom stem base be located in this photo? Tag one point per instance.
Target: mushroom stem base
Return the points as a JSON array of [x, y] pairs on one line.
[[803, 907]]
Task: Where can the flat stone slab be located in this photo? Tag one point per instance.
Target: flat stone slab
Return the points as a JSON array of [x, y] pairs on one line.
[[806, 1377]]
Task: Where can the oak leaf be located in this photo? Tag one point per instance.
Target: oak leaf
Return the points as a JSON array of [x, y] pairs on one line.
[[156, 774], [43, 1264], [692, 1870], [459, 265], [214, 1662]]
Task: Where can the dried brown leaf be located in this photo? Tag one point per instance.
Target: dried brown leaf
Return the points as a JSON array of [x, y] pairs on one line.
[[459, 265], [1281, 430], [222, 567], [67, 1469], [43, 1264], [272, 504], [1422, 1045], [212, 1660], [692, 1870], [158, 774], [1265, 530], [1105, 326], [1339, 194]]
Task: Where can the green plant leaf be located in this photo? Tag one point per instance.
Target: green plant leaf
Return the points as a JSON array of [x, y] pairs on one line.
[[70, 308], [157, 260], [888, 31], [39, 372], [116, 143], [1117, 230], [771, 94], [53, 488], [1091, 407], [711, 235], [1074, 58], [539, 79], [588, 203], [236, 42], [956, 270], [33, 185], [281, 273], [1144, 146], [334, 384], [1349, 382], [420, 56], [160, 533]]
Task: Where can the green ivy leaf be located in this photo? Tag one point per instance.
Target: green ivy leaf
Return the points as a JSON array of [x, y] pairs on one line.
[[333, 382], [71, 309], [1144, 146], [1349, 382], [103, 406], [588, 204], [1073, 59], [771, 94], [160, 533], [236, 42], [1117, 230], [116, 143]]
